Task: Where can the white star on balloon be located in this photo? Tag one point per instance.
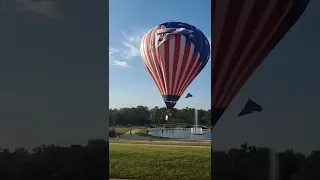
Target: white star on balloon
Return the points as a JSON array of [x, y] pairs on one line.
[[191, 35]]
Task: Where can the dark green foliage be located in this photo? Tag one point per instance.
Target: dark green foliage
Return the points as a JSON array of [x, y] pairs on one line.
[[142, 115], [54, 162], [112, 132]]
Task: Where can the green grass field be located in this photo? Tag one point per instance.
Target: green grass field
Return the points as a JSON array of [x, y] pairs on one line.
[[136, 161], [171, 143], [122, 130]]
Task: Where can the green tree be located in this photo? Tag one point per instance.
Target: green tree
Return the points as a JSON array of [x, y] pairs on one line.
[[141, 115], [206, 118]]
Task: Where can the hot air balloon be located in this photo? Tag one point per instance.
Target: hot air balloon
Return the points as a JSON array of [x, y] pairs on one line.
[[174, 53], [243, 33]]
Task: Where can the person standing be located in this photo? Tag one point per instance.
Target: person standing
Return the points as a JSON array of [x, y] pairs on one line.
[[118, 136]]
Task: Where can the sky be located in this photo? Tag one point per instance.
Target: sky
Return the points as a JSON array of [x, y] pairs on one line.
[[130, 83], [53, 73]]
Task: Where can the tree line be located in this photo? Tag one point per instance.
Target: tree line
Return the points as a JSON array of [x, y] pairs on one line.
[[142, 115], [91, 162], [251, 162], [55, 162]]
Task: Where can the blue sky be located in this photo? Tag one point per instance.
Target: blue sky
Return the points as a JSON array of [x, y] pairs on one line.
[[286, 85], [130, 83]]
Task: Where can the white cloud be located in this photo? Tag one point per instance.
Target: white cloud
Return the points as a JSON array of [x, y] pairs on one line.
[[130, 48], [115, 62], [113, 50], [121, 63], [131, 44], [46, 8]]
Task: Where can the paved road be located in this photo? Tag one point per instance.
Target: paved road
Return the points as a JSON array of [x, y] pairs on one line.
[[133, 137], [133, 131], [163, 145]]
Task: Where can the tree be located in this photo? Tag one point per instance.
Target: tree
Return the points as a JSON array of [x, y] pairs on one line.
[[141, 115], [206, 118], [155, 115]]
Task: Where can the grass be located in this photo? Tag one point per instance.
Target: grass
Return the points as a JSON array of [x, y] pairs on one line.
[[174, 143], [134, 161], [122, 130]]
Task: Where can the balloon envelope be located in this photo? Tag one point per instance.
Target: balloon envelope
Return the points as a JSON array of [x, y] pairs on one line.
[[243, 33], [174, 53]]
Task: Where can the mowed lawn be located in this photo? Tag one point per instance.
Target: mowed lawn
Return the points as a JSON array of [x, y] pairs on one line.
[[136, 161], [169, 143], [122, 130]]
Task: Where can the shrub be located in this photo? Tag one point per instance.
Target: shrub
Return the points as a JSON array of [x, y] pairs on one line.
[[112, 133]]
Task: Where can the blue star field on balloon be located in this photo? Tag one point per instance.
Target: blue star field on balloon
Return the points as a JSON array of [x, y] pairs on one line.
[[196, 37]]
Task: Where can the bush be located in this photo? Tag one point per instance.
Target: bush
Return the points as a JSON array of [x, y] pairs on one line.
[[112, 133]]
